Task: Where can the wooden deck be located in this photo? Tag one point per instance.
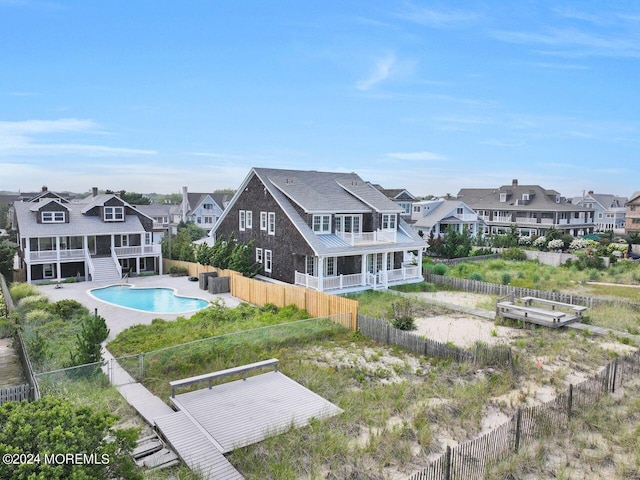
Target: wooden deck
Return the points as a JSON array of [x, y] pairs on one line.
[[217, 420], [557, 314]]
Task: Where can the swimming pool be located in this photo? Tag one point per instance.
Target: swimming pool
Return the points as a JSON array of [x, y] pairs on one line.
[[155, 300]]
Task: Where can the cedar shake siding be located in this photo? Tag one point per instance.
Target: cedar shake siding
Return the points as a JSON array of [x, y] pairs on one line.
[[286, 242]]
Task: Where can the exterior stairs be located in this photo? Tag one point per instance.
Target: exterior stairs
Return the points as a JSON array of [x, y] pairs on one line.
[[104, 270]]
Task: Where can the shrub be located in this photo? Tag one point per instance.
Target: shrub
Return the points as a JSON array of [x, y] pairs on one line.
[[481, 251], [506, 278], [404, 323], [67, 309], [19, 291], [476, 276], [178, 271], [440, 269], [514, 253], [37, 317], [33, 302], [403, 315]]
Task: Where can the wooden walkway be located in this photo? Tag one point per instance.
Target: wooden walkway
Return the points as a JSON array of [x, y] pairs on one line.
[[555, 315], [217, 420]]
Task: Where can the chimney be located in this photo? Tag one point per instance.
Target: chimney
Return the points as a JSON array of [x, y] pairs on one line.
[[185, 203], [44, 188], [94, 192], [514, 182]]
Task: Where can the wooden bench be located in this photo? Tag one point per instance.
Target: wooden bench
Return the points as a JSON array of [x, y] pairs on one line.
[[243, 369], [552, 315], [578, 309]]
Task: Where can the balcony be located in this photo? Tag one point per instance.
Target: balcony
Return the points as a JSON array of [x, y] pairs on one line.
[[368, 238], [48, 256], [147, 250]]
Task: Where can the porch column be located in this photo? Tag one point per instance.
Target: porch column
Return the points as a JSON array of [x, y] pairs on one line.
[[137, 265], [385, 265], [364, 270], [58, 259], [27, 257], [320, 274]]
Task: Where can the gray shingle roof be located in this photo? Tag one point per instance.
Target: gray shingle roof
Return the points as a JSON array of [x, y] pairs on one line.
[[79, 223]]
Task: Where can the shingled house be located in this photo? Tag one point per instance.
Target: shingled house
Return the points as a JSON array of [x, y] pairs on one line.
[[533, 209], [98, 238], [327, 231]]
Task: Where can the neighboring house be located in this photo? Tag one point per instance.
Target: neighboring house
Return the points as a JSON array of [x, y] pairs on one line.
[[609, 210], [632, 221], [99, 238], [161, 215], [438, 215], [327, 231], [199, 208], [533, 209], [400, 196]]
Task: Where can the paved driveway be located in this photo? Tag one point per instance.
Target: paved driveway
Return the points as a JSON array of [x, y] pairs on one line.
[[120, 318]]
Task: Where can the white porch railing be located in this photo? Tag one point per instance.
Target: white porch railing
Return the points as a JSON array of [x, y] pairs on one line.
[[117, 262], [54, 255], [368, 238], [136, 251], [339, 282], [90, 268]]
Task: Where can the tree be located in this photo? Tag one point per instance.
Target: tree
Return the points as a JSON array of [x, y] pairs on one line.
[[131, 198], [93, 332], [7, 253], [4, 215], [243, 261], [221, 252], [456, 244], [54, 428], [191, 230]]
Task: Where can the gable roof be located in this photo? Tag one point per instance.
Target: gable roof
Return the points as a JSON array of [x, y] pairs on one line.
[[396, 193], [325, 192], [440, 212]]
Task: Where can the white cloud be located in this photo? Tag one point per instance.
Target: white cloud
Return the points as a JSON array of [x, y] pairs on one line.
[[381, 72], [437, 18], [20, 138], [417, 156]]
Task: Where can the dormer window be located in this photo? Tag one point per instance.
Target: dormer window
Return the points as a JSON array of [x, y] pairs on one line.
[[322, 223], [503, 197], [389, 221], [114, 214], [525, 197], [53, 217]]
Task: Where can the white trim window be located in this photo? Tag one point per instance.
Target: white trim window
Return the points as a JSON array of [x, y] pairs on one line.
[[258, 255], [53, 217], [241, 220], [268, 260], [322, 223], [388, 221], [113, 214], [249, 219], [330, 266], [48, 270], [271, 227], [263, 221]]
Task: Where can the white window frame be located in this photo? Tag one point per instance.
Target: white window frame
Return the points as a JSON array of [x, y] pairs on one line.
[[330, 266], [271, 223], [53, 217], [263, 221], [249, 219], [49, 270], [503, 197], [259, 257], [321, 223], [459, 211], [268, 261], [389, 221], [124, 240], [242, 220], [113, 213]]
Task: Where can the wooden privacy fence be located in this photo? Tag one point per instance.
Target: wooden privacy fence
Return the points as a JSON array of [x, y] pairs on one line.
[[474, 458], [317, 304]]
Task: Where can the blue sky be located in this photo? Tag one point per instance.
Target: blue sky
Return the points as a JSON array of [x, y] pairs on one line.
[[148, 96]]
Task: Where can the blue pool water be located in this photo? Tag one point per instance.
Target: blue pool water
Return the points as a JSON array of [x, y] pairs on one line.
[[156, 300]]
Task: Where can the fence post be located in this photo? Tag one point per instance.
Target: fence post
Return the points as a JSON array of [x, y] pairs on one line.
[[447, 466], [570, 400], [518, 424], [607, 378], [141, 366], [615, 373]]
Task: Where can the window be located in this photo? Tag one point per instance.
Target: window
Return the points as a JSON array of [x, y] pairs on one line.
[[503, 197], [330, 266], [271, 229], [310, 266], [258, 255], [348, 223], [268, 259], [148, 238], [416, 208], [207, 206], [124, 241], [322, 223], [48, 270], [525, 197], [459, 210], [208, 220], [113, 214], [406, 208], [53, 217], [249, 216], [635, 221], [263, 221], [389, 221], [198, 220], [241, 220]]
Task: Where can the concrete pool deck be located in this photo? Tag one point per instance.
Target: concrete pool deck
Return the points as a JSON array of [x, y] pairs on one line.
[[121, 318]]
